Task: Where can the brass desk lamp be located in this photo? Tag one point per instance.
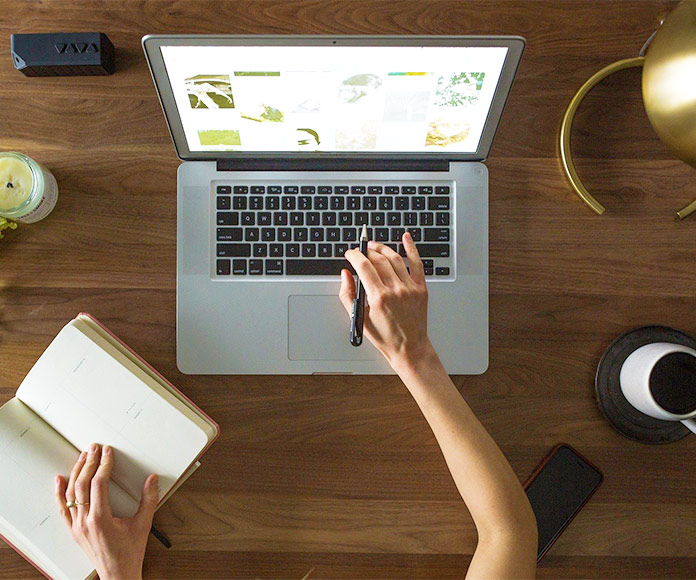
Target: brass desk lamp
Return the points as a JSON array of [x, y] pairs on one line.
[[669, 94]]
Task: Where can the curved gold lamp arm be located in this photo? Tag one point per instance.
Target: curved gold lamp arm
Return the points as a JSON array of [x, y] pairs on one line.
[[566, 124]]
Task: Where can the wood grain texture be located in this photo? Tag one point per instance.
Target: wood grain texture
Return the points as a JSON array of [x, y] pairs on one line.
[[341, 475]]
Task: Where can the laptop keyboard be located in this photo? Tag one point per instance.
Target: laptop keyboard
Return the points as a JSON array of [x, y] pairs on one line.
[[303, 229]]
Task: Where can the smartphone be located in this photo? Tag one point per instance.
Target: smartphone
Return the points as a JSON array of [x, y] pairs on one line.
[[557, 490]]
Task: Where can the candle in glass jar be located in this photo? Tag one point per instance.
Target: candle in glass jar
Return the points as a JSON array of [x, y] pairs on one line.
[[28, 191]]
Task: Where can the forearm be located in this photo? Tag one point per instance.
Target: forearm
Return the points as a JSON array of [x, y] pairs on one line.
[[483, 476]]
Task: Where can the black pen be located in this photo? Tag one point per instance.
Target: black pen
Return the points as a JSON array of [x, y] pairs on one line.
[[358, 315]]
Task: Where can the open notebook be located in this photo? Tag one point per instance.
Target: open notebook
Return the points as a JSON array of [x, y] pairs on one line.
[[89, 387]]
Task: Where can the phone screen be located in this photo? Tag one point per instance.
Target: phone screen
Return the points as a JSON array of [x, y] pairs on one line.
[[558, 491]]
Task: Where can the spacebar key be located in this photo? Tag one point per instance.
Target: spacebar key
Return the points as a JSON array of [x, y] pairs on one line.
[[309, 267]]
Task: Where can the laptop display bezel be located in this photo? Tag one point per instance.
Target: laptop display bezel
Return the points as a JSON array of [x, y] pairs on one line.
[[152, 44]]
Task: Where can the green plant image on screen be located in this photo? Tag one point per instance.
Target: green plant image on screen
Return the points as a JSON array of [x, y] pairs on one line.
[[210, 92], [458, 89], [219, 137]]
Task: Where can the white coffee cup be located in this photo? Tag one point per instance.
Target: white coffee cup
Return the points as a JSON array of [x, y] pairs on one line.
[[635, 380]]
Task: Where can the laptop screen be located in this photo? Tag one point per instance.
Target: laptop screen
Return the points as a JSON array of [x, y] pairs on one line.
[[335, 99]]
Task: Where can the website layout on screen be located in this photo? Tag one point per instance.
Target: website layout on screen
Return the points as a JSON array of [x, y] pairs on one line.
[[343, 99]]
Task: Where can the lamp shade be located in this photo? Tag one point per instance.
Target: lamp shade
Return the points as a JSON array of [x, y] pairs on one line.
[[669, 82]]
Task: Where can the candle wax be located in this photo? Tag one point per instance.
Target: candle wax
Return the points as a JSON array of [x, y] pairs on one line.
[[15, 182]]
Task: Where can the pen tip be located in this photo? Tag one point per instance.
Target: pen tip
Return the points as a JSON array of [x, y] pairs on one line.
[[363, 232]]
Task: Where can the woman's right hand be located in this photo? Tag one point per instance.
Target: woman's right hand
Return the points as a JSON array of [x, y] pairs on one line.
[[397, 301]]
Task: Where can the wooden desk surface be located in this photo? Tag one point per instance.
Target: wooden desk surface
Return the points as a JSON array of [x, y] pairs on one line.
[[342, 475]]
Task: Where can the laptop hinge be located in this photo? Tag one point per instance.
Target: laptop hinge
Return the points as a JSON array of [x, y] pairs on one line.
[[332, 165]]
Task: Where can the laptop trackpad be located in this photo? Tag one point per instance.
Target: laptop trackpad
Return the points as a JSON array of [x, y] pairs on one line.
[[319, 329]]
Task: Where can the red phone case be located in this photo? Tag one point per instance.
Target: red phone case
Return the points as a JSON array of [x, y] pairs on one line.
[[541, 466]]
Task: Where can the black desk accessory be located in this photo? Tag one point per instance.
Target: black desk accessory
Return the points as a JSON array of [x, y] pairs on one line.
[[616, 409], [63, 54]]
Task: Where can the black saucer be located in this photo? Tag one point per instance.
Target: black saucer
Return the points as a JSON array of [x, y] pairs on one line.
[[615, 408]]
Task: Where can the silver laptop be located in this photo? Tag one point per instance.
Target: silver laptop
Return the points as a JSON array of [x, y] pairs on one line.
[[290, 144]]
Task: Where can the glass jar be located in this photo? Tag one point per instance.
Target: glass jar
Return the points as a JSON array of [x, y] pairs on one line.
[[28, 191]]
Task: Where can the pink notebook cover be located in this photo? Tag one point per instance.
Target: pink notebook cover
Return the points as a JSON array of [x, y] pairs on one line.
[[154, 370]]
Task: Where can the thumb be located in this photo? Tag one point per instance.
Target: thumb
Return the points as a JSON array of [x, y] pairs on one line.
[[347, 291], [148, 501]]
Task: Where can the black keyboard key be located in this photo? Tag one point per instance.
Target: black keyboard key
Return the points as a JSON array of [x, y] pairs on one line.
[[309, 250], [442, 218], [369, 203], [325, 190], [275, 189], [377, 218], [325, 250], [434, 250], [442, 271], [442, 190], [386, 203], [280, 218], [362, 217], [357, 189], [312, 218], [350, 234], [229, 234], [341, 189], [255, 267], [291, 189], [284, 234], [437, 235], [258, 189], [273, 202], [239, 203], [227, 218], [241, 189], [340, 250], [401, 203], [222, 267], [289, 203], [268, 234], [408, 189], [276, 250], [296, 218], [251, 235], [428, 271], [353, 202], [248, 218], [382, 234], [337, 203], [393, 219], [375, 190], [259, 250], [292, 250], [425, 190], [274, 267], [300, 235], [321, 202], [438, 203], [415, 234], [316, 235], [239, 267], [425, 219], [224, 189], [396, 234], [234, 250], [418, 203], [410, 218], [305, 202], [308, 189], [328, 218], [316, 267], [391, 189], [256, 202], [427, 263], [224, 202], [345, 218], [333, 234], [263, 218]]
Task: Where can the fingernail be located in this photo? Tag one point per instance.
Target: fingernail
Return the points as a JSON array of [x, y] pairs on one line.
[[83, 455], [57, 480], [106, 450], [93, 448], [408, 236]]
